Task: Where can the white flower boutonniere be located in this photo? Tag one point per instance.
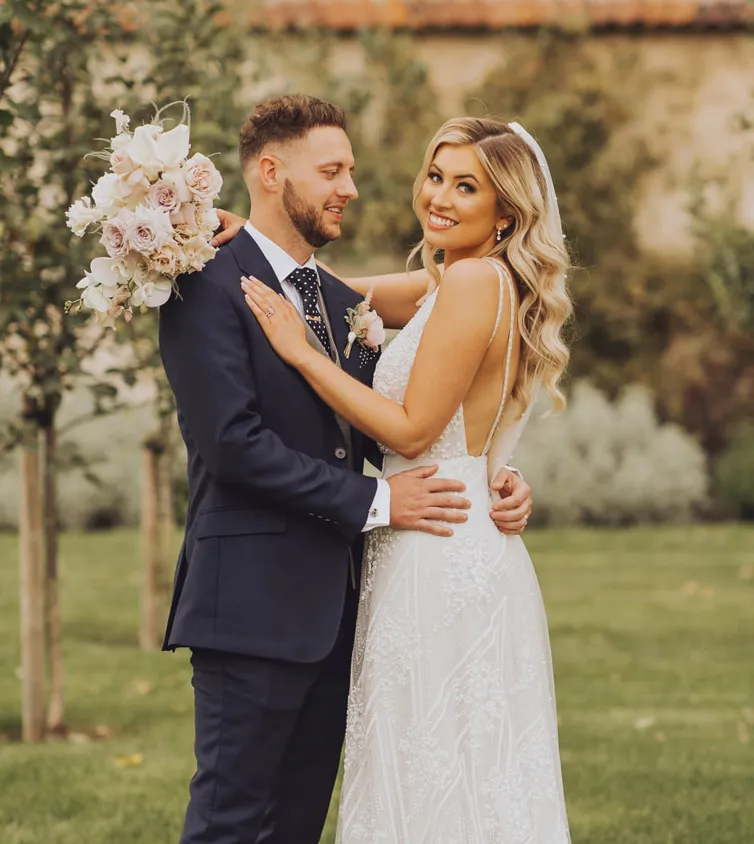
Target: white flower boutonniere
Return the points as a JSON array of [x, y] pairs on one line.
[[365, 326]]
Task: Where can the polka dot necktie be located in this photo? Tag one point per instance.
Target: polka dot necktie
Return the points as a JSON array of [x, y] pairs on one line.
[[305, 280]]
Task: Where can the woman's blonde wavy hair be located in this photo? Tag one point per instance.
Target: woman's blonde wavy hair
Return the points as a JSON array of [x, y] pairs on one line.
[[532, 247]]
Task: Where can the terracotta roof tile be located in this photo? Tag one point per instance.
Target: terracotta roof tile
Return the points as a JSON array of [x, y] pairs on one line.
[[498, 14]]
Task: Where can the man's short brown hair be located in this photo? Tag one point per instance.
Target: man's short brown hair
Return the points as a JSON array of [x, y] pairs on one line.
[[286, 118]]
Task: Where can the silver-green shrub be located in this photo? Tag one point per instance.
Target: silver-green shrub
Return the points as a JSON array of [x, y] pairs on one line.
[[611, 463], [598, 463]]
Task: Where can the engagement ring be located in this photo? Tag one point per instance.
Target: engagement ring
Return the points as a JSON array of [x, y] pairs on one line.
[[269, 312]]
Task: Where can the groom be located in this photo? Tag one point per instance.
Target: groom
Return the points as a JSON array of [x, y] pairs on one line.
[[266, 586]]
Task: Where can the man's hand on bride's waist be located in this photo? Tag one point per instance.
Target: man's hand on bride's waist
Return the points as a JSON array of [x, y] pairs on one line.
[[511, 511]]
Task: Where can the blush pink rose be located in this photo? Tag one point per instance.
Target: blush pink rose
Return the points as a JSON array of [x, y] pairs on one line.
[[149, 229], [375, 334], [115, 237], [202, 177], [164, 197], [122, 163]]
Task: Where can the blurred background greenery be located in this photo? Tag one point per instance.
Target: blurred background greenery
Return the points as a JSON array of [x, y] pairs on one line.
[[645, 111]]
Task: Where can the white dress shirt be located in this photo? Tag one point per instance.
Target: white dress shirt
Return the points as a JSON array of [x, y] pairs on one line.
[[283, 265]]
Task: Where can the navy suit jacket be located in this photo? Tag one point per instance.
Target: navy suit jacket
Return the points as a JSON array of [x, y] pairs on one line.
[[274, 512]]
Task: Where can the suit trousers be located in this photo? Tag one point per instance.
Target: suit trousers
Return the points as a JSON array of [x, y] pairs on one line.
[[269, 736]]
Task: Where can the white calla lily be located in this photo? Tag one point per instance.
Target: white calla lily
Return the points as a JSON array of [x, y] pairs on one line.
[[107, 194], [173, 147], [143, 149]]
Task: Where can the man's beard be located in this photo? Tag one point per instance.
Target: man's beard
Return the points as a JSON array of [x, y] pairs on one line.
[[304, 216]]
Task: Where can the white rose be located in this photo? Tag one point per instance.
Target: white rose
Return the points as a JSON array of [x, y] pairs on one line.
[[143, 149], [81, 215], [108, 194], [122, 163], [149, 230], [202, 177], [115, 235], [196, 253], [163, 196], [121, 120], [172, 147]]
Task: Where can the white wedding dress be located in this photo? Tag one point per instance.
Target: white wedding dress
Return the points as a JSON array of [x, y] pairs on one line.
[[452, 729]]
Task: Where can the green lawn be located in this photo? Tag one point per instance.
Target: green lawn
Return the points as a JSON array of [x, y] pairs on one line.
[[653, 640]]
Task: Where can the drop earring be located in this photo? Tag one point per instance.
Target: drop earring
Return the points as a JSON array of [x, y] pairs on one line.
[[499, 235]]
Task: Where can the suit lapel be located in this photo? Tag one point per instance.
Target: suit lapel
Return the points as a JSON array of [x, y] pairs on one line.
[[252, 261], [337, 305]]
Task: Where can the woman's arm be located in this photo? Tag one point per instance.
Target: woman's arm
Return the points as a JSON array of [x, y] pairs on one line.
[[452, 348], [394, 295]]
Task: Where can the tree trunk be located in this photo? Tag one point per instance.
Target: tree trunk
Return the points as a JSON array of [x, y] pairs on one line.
[[53, 616], [32, 586], [150, 546]]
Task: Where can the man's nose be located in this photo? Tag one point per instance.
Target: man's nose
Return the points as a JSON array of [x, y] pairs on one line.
[[347, 188]]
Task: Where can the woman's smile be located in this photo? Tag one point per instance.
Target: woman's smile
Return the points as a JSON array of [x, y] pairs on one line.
[[438, 222]]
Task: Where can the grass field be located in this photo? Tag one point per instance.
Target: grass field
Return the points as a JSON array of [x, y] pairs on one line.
[[653, 641]]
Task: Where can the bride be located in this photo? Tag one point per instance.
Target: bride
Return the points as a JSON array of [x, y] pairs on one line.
[[452, 728]]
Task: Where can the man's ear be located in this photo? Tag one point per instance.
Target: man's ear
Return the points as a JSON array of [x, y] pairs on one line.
[[268, 172]]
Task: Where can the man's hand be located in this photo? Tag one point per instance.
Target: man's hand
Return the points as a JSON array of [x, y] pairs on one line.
[[420, 502], [230, 225], [511, 512]]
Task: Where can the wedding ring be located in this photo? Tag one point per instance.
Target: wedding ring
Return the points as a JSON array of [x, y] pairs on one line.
[[269, 312]]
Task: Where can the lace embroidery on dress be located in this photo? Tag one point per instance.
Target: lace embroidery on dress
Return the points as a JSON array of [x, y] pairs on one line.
[[452, 730]]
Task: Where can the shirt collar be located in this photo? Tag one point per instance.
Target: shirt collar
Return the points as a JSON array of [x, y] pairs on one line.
[[281, 262]]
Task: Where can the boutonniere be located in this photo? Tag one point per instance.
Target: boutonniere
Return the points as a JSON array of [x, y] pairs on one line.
[[365, 326]]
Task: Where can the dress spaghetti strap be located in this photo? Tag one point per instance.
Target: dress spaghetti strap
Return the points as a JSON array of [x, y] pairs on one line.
[[504, 277]]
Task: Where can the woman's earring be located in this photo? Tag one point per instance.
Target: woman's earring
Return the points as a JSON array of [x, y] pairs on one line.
[[499, 236]]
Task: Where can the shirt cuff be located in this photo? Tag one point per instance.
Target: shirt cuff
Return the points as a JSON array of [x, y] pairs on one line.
[[379, 512]]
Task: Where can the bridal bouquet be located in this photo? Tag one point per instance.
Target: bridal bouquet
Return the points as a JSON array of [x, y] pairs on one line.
[[155, 216]]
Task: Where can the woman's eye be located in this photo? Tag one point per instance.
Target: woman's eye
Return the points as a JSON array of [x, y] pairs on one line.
[[465, 187], [435, 177]]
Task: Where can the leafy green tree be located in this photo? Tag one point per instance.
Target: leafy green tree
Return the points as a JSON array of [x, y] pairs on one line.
[[554, 85], [48, 116]]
